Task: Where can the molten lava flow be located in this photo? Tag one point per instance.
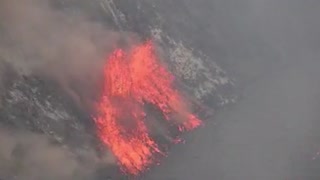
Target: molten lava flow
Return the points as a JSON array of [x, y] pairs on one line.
[[132, 79]]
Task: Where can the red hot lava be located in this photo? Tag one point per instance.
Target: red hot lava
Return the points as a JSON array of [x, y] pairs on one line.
[[131, 79]]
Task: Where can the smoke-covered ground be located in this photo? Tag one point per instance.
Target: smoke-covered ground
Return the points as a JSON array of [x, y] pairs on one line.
[[29, 156], [270, 46], [42, 39], [273, 131], [46, 38]]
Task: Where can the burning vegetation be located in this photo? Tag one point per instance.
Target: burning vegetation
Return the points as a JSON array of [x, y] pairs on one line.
[[133, 79]]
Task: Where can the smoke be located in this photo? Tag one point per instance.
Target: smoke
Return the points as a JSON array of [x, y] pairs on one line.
[[272, 47], [40, 39], [30, 156], [63, 45]]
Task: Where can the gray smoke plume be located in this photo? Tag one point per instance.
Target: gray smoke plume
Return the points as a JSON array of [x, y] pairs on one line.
[[67, 47], [272, 47], [30, 156], [62, 45]]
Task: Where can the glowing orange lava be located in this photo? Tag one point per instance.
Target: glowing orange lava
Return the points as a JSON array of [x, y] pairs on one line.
[[131, 79]]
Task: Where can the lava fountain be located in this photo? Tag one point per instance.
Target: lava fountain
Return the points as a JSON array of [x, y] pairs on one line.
[[132, 79]]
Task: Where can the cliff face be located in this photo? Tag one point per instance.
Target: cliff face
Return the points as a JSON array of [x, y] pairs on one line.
[[29, 102]]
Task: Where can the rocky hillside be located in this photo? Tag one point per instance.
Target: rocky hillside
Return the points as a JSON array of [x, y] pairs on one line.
[[34, 103]]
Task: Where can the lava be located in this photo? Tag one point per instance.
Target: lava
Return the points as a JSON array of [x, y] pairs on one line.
[[132, 79]]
